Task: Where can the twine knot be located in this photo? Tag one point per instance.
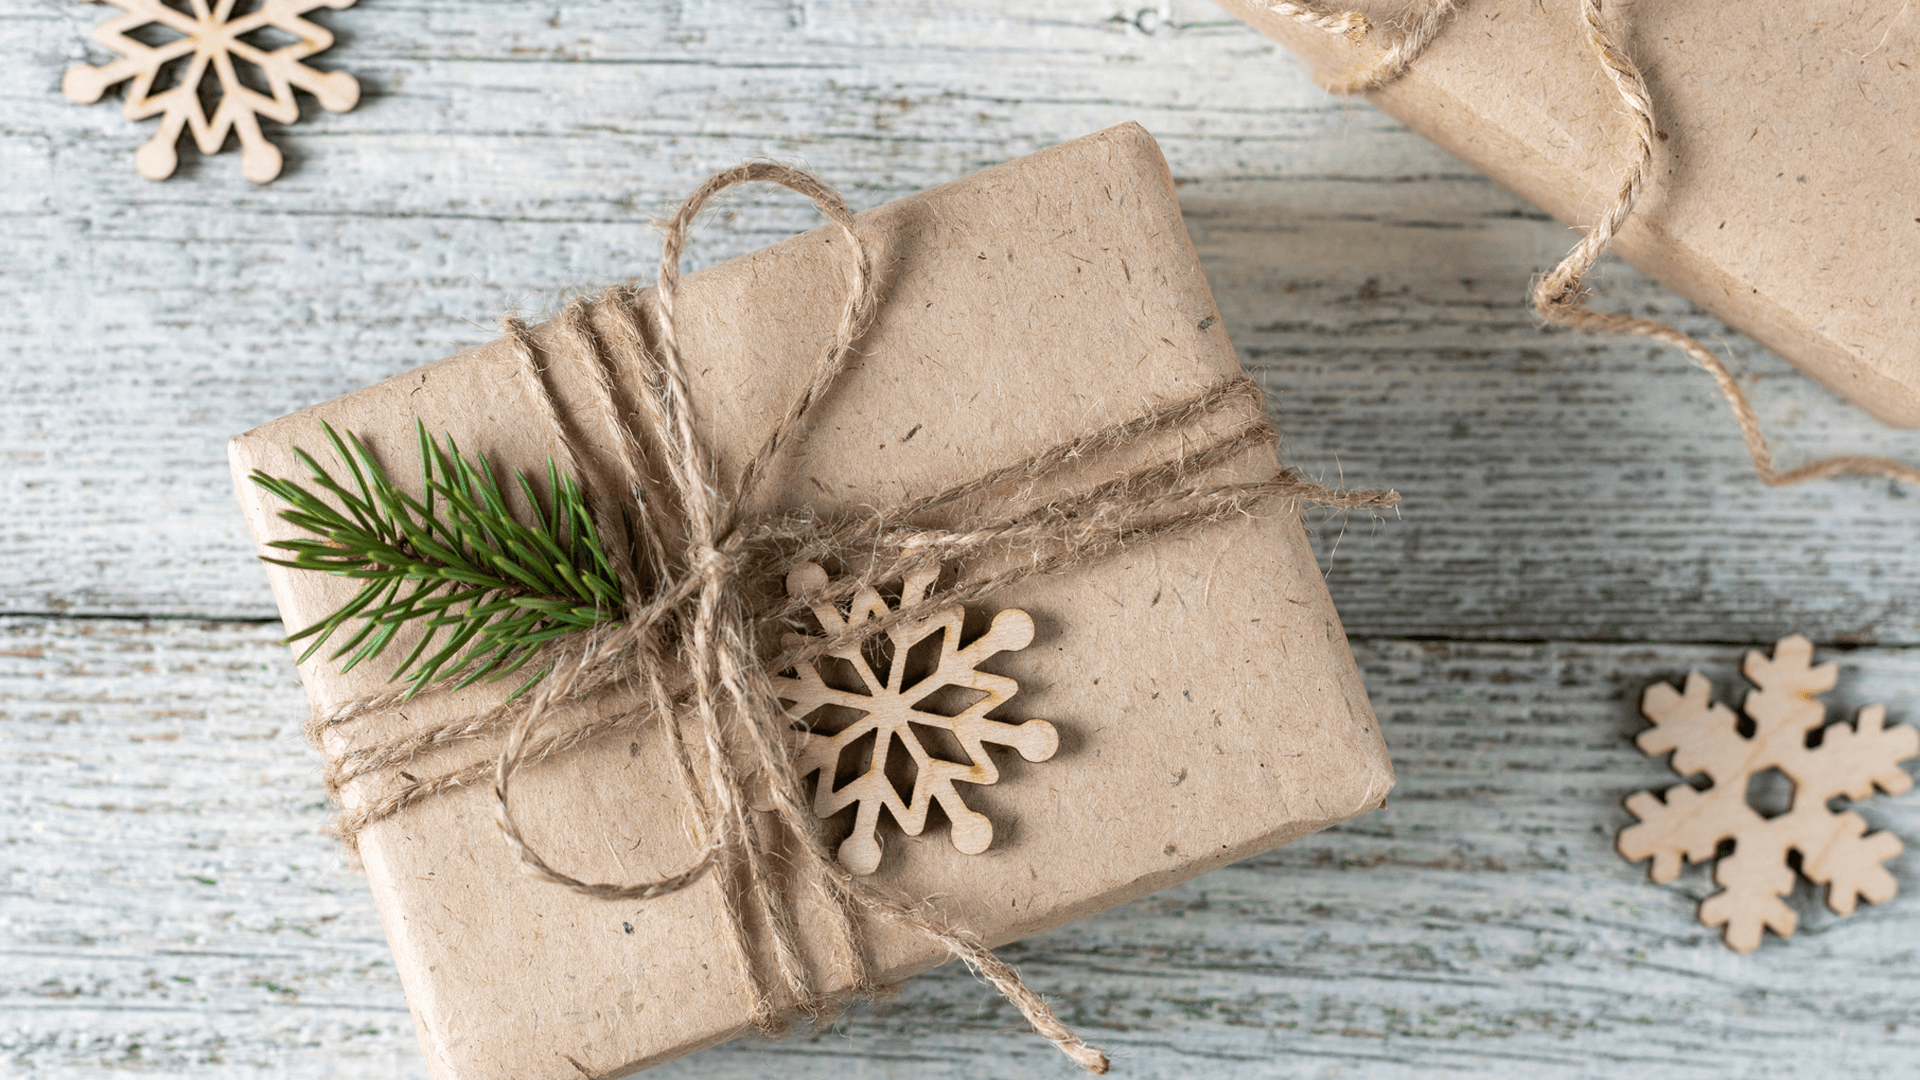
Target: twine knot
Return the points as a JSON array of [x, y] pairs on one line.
[[713, 565]]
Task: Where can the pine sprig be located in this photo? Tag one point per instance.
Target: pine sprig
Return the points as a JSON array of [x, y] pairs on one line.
[[458, 562]]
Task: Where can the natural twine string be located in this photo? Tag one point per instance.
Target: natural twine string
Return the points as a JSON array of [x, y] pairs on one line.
[[1356, 27], [696, 607], [1559, 296]]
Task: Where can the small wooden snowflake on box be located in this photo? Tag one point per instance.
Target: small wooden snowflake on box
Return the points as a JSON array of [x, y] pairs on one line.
[[1785, 729], [213, 38], [920, 703]]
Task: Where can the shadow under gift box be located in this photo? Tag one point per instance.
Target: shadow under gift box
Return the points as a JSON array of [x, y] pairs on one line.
[[1782, 191], [1207, 704]]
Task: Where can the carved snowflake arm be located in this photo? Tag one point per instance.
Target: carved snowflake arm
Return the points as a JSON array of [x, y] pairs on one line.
[[1836, 852], [1688, 824], [871, 790], [807, 692], [1035, 740], [970, 830], [821, 753], [1698, 730], [1752, 880], [85, 83], [1866, 755], [336, 91], [1788, 682], [807, 580], [1835, 848]]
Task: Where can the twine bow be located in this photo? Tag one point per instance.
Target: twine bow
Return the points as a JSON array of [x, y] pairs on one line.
[[695, 613]]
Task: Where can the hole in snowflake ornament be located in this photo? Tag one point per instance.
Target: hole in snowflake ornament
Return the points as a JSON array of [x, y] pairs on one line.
[[250, 75], [922, 721], [855, 759], [154, 35], [269, 38], [831, 719], [169, 75], [1694, 824], [900, 770], [1770, 793]]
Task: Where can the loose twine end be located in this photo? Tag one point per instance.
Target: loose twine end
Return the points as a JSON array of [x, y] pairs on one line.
[[1559, 294], [1037, 1012]]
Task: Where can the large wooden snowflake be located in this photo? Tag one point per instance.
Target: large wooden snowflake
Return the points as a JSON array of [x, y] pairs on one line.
[[896, 709], [213, 38], [1783, 718]]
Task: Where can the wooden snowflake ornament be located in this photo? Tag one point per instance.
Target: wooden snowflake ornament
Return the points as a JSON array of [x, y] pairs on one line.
[[896, 709], [1788, 733], [213, 38]]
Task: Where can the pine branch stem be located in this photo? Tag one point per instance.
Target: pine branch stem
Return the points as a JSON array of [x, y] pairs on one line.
[[498, 587]]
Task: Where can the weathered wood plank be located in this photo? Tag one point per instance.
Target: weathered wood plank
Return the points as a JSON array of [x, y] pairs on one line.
[[171, 906], [1558, 487]]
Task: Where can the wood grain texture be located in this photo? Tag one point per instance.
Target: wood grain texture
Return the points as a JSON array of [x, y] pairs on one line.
[[1579, 520]]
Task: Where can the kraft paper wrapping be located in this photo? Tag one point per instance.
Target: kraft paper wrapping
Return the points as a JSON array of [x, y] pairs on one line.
[[1207, 703], [1783, 197]]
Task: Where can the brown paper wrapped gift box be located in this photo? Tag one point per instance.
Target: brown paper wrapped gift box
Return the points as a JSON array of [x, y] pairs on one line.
[[1207, 703], [1783, 196]]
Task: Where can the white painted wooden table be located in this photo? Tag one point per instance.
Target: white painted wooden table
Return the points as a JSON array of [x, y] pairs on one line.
[[1579, 521]]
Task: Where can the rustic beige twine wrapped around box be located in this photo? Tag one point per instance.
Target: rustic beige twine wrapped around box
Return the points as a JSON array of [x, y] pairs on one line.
[[1559, 296], [696, 611]]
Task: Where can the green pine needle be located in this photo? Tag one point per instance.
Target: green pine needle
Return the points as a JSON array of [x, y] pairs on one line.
[[458, 562]]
